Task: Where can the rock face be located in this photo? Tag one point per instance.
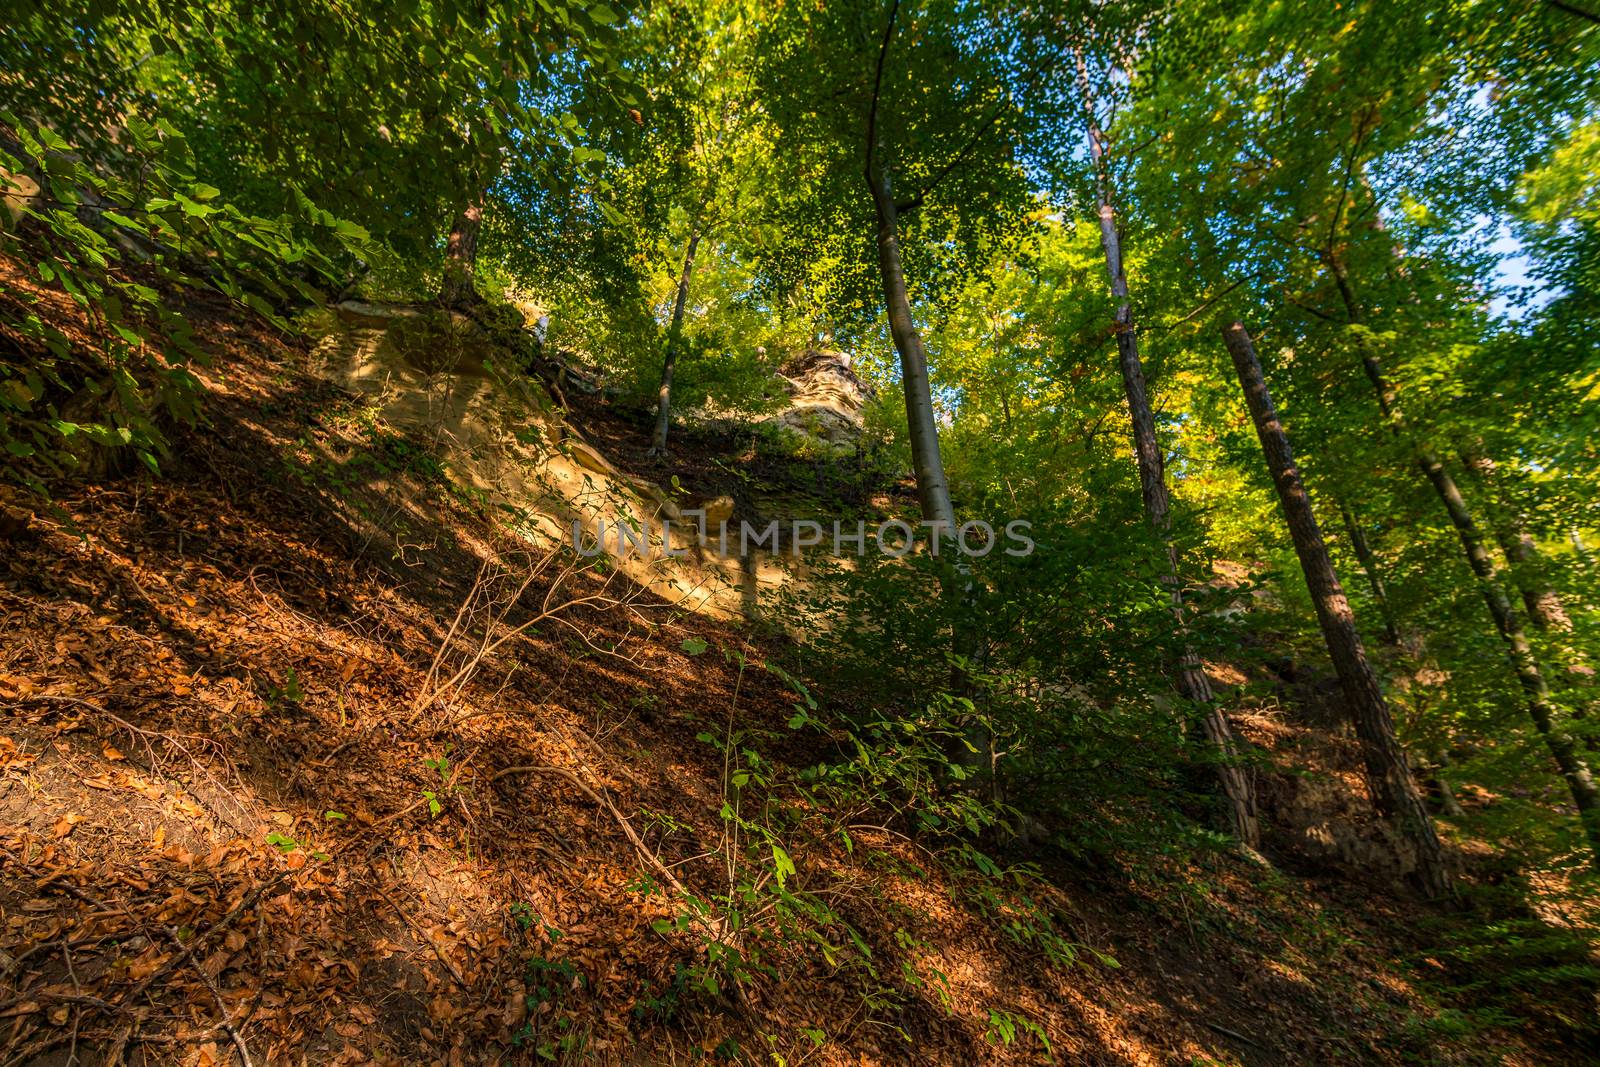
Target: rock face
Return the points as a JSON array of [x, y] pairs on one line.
[[19, 194], [503, 436], [826, 400]]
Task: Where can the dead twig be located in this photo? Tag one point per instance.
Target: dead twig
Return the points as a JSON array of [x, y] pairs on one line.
[[1225, 1032], [644, 851], [489, 603], [422, 935], [216, 995]]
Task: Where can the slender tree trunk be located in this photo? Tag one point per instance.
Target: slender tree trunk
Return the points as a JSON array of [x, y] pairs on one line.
[[1543, 604], [1369, 567], [1441, 784], [933, 490], [1536, 692], [1526, 569], [1394, 792], [459, 289], [669, 363], [1191, 676]]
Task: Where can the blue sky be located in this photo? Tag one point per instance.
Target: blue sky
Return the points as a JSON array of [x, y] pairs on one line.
[[1513, 272]]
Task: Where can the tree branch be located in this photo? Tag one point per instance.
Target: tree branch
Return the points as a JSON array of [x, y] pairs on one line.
[[1208, 302], [972, 141], [877, 92], [1574, 9]]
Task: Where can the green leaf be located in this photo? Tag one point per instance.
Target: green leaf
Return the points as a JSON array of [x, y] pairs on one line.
[[693, 645], [782, 865], [53, 141]]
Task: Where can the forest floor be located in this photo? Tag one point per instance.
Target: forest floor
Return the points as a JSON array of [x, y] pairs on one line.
[[229, 825]]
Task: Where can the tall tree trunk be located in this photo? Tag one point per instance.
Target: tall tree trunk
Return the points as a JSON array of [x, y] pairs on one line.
[[459, 289], [1536, 692], [1543, 605], [1437, 780], [1191, 677], [933, 490], [1394, 792], [1369, 567], [669, 363]]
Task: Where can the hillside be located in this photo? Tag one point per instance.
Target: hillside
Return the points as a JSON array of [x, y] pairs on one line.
[[243, 820], [800, 534]]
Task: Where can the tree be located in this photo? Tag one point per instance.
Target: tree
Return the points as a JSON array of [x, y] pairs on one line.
[[1369, 567], [712, 152], [1192, 680], [914, 108], [1394, 792], [933, 490], [1339, 156], [1542, 710], [658, 442], [910, 104], [459, 288], [406, 121]]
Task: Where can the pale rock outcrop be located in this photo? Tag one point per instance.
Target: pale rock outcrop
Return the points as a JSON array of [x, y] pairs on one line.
[[439, 377], [827, 400]]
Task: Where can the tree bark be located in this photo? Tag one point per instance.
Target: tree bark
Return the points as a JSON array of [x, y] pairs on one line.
[[1536, 692], [1543, 605], [1441, 784], [1394, 792], [933, 489], [1191, 677], [1369, 567], [669, 363], [459, 288]]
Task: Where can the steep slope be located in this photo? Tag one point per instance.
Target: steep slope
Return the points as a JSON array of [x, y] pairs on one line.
[[261, 799]]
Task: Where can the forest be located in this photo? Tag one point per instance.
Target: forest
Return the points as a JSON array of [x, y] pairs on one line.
[[799, 532]]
